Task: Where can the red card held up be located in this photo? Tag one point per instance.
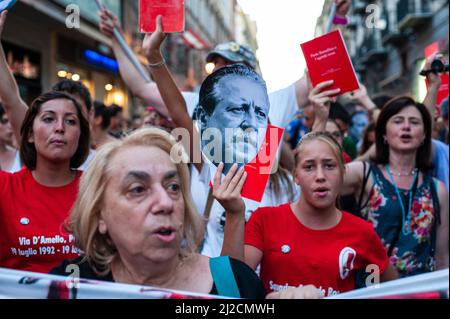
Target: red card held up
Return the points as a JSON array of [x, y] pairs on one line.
[[172, 12], [327, 59], [259, 170]]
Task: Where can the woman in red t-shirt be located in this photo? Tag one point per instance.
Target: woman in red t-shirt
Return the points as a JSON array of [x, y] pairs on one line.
[[35, 201], [309, 242]]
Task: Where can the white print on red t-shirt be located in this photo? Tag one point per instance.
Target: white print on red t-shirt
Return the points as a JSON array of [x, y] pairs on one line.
[[346, 259], [325, 292], [44, 245]]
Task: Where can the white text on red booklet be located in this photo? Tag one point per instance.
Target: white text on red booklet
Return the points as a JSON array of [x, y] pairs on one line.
[[327, 59]]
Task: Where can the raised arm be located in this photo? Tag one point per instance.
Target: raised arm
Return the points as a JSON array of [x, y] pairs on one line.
[[434, 83], [321, 99], [147, 92], [302, 88], [228, 194], [170, 93], [364, 99], [14, 106]]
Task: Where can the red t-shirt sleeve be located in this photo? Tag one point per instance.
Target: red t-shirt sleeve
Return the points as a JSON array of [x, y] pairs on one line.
[[254, 230], [376, 253]]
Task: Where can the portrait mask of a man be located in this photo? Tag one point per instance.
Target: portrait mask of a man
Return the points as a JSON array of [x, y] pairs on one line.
[[233, 114]]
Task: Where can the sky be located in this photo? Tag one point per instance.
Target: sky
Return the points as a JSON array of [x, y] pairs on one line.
[[282, 26]]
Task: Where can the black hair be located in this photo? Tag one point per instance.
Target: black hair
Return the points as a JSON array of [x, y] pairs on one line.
[[28, 152], [338, 112], [393, 107], [381, 100], [366, 144], [74, 87], [114, 109], [208, 94], [2, 110], [102, 111]]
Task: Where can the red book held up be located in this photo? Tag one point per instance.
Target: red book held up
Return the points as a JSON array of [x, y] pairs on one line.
[[327, 59], [172, 12], [259, 169]]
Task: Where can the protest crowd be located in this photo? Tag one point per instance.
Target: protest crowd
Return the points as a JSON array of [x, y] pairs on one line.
[[355, 192]]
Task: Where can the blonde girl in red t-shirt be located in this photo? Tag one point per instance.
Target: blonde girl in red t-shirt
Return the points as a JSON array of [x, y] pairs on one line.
[[319, 171]]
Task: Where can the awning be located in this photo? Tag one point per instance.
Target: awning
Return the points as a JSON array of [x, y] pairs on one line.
[[195, 41]]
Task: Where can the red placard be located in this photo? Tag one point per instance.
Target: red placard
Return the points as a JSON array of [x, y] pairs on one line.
[[431, 49], [259, 170], [172, 12], [327, 59]]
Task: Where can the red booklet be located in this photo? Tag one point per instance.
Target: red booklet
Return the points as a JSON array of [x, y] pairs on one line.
[[172, 12], [259, 170], [327, 59]]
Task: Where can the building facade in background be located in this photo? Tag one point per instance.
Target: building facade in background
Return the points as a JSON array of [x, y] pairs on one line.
[[387, 40], [36, 33], [41, 49], [208, 22]]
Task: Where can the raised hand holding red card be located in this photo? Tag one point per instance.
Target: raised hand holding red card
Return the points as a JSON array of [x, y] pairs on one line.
[[327, 59], [259, 170], [172, 12]]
